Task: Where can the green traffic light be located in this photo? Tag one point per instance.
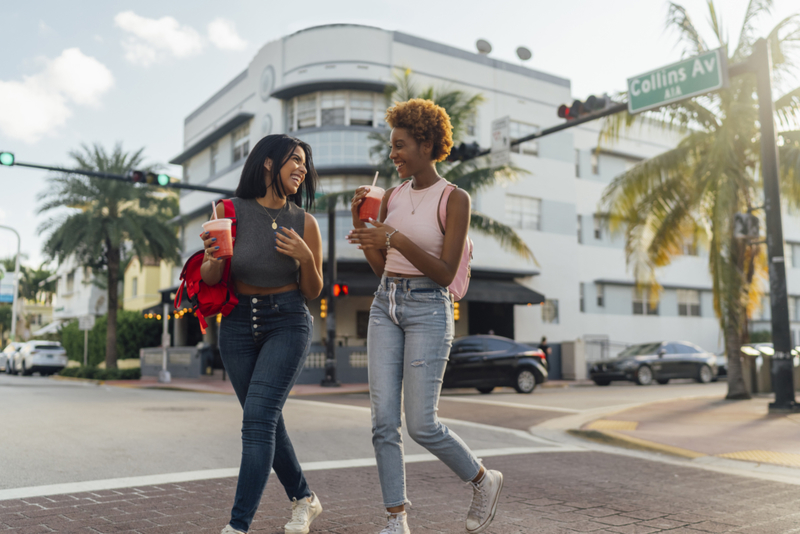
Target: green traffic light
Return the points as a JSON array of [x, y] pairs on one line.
[[6, 158], [163, 179]]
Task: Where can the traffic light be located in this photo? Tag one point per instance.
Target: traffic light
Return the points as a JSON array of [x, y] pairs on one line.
[[136, 177], [456, 311], [6, 158], [340, 290], [323, 308], [149, 178], [464, 151], [579, 109]]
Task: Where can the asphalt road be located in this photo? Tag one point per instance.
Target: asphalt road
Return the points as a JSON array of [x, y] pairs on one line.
[[56, 432]]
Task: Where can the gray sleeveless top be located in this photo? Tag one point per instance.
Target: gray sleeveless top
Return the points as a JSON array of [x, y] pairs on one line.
[[255, 260]]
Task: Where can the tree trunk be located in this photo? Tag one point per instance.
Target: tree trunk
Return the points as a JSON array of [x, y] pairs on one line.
[[111, 332], [737, 390], [736, 325]]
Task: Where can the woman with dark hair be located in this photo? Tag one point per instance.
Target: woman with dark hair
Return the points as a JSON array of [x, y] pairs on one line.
[[411, 318], [276, 266]]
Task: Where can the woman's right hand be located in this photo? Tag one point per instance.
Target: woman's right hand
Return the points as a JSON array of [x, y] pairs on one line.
[[355, 204], [210, 244]]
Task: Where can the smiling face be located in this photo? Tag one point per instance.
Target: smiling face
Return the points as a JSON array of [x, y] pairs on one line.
[[408, 156], [291, 175]]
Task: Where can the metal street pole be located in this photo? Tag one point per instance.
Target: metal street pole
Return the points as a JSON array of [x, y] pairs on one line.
[[16, 285], [330, 321], [164, 375], [782, 360], [86, 348]]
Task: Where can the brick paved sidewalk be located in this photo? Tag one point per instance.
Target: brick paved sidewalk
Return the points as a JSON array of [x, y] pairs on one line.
[[546, 493]]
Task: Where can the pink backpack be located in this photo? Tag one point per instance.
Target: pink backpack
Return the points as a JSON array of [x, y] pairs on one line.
[[460, 284]]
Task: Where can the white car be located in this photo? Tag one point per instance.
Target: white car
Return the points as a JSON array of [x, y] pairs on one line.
[[7, 356], [44, 357]]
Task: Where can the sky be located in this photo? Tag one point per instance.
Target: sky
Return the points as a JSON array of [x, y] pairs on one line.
[[107, 72]]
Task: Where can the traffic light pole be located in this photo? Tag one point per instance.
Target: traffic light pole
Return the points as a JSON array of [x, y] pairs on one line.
[[330, 320]]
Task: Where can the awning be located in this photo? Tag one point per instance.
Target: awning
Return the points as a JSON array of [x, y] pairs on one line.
[[51, 328], [501, 291]]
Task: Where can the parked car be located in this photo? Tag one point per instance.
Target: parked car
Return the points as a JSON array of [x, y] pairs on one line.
[[7, 357], [660, 361], [44, 357], [487, 362], [722, 365]]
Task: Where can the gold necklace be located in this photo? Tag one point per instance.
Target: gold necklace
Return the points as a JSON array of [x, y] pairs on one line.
[[411, 199], [274, 219]]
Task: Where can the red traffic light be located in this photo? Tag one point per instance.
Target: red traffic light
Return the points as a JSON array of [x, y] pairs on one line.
[[563, 111], [579, 109], [340, 289], [137, 177]]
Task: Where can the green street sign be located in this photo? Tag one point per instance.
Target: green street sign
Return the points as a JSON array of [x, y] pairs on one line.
[[679, 81]]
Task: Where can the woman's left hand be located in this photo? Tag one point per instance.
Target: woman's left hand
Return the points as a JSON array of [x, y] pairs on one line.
[[370, 238], [289, 242]]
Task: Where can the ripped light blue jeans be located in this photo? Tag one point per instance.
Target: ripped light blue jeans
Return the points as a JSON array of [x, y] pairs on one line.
[[409, 340]]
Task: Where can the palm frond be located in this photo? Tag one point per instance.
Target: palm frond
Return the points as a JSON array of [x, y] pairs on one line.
[[787, 108], [679, 19], [716, 23], [506, 236], [755, 9], [474, 175]]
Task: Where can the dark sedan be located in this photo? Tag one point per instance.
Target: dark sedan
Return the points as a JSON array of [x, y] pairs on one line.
[[659, 361], [487, 362]]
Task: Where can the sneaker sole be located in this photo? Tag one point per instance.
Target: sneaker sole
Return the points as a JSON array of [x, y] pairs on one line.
[[493, 512], [313, 517]]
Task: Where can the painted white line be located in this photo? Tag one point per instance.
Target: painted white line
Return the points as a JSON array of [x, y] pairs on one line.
[[209, 474], [512, 405]]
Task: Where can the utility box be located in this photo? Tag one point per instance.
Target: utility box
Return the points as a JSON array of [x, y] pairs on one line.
[[573, 360], [182, 362]]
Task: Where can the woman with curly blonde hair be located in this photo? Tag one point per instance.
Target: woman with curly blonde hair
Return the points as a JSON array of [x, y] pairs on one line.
[[411, 319]]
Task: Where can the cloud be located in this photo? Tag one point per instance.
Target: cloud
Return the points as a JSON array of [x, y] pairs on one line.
[[223, 34], [152, 40], [41, 103]]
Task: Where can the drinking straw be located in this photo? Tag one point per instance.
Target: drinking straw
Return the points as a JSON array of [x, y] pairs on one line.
[[213, 210], [375, 181]]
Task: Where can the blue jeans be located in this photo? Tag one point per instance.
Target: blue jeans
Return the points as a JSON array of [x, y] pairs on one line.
[[409, 339], [264, 343]]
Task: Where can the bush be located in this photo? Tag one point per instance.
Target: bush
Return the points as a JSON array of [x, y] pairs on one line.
[[101, 374], [761, 336], [133, 333]]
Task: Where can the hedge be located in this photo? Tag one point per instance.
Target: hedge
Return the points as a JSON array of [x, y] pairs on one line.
[[133, 333], [101, 374]]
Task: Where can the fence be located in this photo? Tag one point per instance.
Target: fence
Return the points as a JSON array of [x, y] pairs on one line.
[[599, 348], [351, 365]]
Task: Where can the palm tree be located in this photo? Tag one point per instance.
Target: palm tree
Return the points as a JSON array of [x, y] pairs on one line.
[[693, 191], [107, 219]]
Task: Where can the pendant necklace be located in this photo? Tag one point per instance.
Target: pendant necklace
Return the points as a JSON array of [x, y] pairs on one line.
[[411, 199], [274, 219]]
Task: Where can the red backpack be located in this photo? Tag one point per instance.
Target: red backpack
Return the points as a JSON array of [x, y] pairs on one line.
[[207, 300]]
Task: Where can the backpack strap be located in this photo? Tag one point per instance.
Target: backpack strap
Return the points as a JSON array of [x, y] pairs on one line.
[[449, 188], [230, 213], [394, 193]]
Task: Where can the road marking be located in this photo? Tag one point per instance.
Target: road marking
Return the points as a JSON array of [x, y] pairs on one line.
[[513, 405], [209, 474]]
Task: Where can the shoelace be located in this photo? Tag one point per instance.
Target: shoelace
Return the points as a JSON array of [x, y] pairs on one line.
[[299, 511], [479, 500], [394, 522]]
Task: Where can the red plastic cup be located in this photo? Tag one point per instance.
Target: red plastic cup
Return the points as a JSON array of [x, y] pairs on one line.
[[371, 205], [221, 229]]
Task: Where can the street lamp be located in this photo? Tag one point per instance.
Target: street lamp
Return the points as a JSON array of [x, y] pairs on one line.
[[16, 285]]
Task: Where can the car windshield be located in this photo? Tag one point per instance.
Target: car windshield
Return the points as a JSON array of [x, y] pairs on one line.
[[639, 350], [46, 347]]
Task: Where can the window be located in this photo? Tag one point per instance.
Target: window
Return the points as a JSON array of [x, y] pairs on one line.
[[690, 246], [688, 303], [581, 291], [577, 163], [71, 282], [580, 229], [362, 324], [468, 345], [518, 130], [550, 311], [332, 108], [601, 295], [598, 227], [241, 143], [185, 178], [642, 304], [134, 286], [788, 255], [214, 159], [498, 345], [793, 308], [595, 162], [686, 348], [472, 125], [523, 212]]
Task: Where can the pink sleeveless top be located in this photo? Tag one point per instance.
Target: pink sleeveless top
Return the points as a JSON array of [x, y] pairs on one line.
[[421, 226]]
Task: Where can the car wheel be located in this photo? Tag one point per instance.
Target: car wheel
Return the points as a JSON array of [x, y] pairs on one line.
[[600, 382], [485, 390], [704, 375], [663, 381], [525, 381], [644, 376], [22, 370]]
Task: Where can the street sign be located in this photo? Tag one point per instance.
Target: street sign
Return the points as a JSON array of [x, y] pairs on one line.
[[501, 142], [684, 79], [86, 322]]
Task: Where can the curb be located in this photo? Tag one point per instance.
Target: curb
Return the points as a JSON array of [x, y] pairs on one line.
[[609, 437], [76, 379]]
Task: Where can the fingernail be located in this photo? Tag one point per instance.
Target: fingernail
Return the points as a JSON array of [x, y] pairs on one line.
[[216, 248], [213, 239]]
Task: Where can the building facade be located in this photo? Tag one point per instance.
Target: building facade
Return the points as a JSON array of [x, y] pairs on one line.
[[326, 85]]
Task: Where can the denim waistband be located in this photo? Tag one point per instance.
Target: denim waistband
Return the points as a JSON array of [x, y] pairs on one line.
[[275, 298], [408, 284]]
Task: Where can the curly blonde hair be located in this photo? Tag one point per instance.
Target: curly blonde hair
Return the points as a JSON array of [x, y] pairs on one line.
[[425, 121]]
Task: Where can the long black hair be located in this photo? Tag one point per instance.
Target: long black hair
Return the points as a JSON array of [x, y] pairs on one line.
[[278, 148]]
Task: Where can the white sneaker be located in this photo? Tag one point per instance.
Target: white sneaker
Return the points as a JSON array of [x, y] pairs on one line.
[[485, 495], [396, 524], [304, 512], [230, 530]]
